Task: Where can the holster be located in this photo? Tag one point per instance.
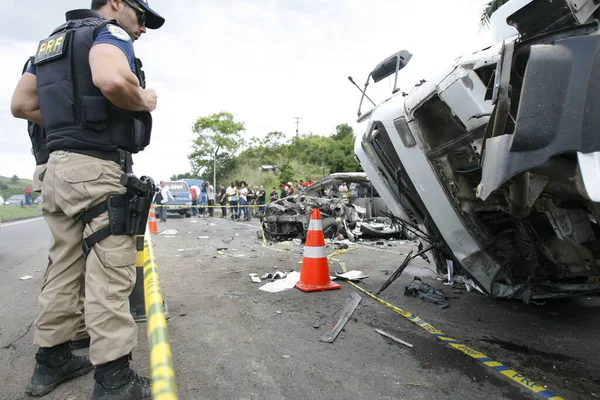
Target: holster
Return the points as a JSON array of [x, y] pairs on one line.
[[127, 213]]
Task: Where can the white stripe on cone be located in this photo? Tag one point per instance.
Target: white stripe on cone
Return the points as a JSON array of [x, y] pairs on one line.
[[315, 225], [315, 252]]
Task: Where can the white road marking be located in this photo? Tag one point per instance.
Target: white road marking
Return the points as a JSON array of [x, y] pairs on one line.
[[21, 222]]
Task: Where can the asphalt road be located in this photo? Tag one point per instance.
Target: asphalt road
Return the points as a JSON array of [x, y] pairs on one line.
[[231, 340]]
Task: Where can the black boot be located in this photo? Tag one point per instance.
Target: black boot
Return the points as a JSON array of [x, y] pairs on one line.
[[116, 381], [55, 365]]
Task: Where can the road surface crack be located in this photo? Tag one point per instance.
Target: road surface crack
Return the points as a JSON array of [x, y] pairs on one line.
[[11, 345]]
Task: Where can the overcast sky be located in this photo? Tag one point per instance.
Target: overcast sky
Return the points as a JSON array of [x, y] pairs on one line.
[[266, 61]]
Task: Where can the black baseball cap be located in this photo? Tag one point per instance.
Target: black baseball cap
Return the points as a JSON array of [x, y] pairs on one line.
[[153, 19]]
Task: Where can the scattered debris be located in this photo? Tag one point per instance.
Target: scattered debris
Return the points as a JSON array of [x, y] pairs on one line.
[[193, 221], [275, 275], [26, 277], [450, 270], [468, 284], [254, 277], [203, 237], [443, 390], [352, 275], [341, 318], [417, 288], [234, 272], [317, 326], [170, 232], [402, 267], [221, 248], [394, 338], [285, 356], [278, 312], [297, 242], [282, 284], [182, 314]]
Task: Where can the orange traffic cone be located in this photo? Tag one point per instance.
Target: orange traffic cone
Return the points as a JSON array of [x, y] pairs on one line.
[[314, 275], [152, 220]]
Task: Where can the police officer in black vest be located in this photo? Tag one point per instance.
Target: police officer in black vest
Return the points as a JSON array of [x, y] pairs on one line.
[[86, 88]]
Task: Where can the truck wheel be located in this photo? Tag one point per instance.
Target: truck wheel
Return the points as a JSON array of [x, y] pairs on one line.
[[188, 215]]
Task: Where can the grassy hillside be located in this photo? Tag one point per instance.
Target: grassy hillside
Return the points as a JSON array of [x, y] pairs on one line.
[[253, 176], [8, 187], [9, 213]]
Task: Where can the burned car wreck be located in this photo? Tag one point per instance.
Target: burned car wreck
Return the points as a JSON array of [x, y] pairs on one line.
[[497, 159], [362, 214]]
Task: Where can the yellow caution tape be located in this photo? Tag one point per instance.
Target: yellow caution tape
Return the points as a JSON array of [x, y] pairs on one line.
[[453, 343], [227, 206], [161, 361]]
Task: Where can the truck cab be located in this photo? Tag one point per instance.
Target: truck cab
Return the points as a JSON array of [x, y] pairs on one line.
[[497, 157]]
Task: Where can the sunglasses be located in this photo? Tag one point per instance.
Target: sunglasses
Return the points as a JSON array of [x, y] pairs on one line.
[[140, 13]]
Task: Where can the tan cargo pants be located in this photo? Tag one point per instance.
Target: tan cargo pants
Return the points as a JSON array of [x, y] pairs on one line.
[[38, 176], [72, 184]]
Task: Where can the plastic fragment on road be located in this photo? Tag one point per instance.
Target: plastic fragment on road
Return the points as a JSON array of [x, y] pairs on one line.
[[394, 338], [282, 284]]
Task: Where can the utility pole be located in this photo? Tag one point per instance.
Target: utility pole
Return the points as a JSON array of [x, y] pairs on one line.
[[298, 125]]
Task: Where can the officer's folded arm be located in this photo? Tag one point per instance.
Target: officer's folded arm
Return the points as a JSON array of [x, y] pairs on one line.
[[24, 103], [112, 75]]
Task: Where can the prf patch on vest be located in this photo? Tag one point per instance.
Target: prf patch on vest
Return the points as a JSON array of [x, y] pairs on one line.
[[118, 32], [51, 48]]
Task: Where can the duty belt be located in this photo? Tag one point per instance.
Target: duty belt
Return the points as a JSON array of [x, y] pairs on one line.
[[120, 157]]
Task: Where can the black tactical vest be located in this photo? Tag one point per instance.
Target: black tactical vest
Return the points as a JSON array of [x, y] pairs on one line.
[[37, 135], [75, 113]]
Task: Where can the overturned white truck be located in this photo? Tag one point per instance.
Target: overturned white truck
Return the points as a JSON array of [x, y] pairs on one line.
[[497, 159]]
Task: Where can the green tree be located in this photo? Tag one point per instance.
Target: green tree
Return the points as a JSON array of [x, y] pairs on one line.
[[286, 172], [218, 138], [187, 175], [14, 179], [343, 132], [488, 10]]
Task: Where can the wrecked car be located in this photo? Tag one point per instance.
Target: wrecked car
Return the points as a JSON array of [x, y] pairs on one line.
[[496, 160], [360, 213]]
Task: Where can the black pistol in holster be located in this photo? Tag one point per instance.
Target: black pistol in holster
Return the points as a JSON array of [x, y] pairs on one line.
[[127, 212]]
